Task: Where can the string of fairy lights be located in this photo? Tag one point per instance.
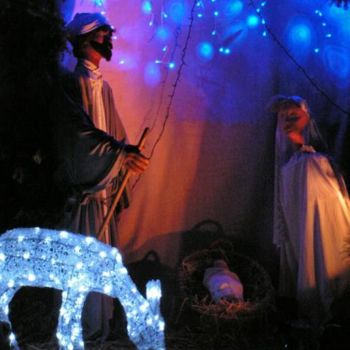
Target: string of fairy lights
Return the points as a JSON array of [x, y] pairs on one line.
[[312, 81], [215, 17]]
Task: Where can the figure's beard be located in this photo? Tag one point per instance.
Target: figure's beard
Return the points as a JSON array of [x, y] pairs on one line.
[[105, 49]]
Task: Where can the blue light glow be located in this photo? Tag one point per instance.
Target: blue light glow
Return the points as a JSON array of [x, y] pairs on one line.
[[162, 33], [337, 62], [99, 2], [76, 265], [300, 33], [233, 8], [152, 74], [124, 60], [147, 7], [340, 19], [337, 12], [299, 36], [205, 51], [253, 21], [176, 9]]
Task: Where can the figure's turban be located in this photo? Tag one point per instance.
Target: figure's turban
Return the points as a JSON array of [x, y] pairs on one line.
[[83, 23]]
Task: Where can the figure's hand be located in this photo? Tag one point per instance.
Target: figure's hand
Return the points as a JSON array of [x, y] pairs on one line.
[[135, 162]]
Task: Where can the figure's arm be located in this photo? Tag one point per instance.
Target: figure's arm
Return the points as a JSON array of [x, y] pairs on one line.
[[89, 159]]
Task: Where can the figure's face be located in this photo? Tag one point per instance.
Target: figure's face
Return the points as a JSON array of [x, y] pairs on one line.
[[293, 121], [103, 36], [102, 42]]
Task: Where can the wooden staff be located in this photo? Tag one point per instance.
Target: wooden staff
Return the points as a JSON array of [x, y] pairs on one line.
[[121, 188]]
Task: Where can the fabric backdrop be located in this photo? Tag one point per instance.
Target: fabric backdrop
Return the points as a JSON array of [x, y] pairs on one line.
[[214, 159]]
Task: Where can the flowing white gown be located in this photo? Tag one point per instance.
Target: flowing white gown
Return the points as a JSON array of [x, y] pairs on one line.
[[312, 226]]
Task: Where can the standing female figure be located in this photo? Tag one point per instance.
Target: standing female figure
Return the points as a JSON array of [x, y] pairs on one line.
[[311, 213]]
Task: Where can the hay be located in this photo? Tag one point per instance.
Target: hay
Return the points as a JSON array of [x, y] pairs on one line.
[[258, 290]]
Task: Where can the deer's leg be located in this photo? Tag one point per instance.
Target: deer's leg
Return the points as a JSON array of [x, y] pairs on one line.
[[145, 324], [6, 295], [69, 330]]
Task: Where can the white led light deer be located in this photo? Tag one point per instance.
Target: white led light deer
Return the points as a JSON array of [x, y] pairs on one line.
[[77, 265]]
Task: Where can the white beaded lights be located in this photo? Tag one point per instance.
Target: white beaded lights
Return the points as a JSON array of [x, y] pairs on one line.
[[77, 265]]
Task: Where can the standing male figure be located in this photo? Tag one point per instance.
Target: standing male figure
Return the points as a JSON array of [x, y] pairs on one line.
[[91, 37]]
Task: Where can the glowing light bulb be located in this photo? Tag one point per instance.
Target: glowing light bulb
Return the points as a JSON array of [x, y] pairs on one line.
[[147, 7], [89, 240], [123, 270], [31, 277], [107, 289], [12, 337], [63, 234], [205, 50], [253, 21], [11, 283]]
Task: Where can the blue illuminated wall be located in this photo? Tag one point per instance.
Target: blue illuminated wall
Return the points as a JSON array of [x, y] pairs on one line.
[[307, 29]]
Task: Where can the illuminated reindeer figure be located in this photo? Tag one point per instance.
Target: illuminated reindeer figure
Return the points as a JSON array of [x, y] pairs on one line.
[[77, 265]]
